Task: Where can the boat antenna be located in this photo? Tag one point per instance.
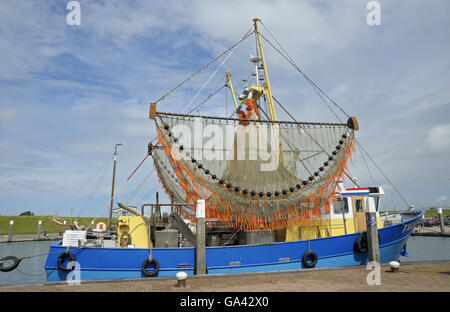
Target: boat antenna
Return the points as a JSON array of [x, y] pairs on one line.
[[112, 188]]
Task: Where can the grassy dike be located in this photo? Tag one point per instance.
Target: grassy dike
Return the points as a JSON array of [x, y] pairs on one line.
[[429, 214], [29, 224], [434, 213]]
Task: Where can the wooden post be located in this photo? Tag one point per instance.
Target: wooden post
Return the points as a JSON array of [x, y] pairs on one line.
[[10, 233], [157, 205], [200, 241], [441, 221], [373, 249], [39, 229]]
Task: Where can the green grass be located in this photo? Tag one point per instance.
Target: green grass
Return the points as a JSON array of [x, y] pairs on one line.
[[429, 214], [434, 213], [29, 224]]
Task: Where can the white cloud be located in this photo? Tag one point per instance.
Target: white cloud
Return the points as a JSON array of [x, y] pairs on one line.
[[442, 201], [129, 53], [438, 139]]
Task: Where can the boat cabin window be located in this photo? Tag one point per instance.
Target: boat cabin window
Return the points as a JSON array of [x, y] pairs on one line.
[[377, 202], [358, 204], [338, 207]]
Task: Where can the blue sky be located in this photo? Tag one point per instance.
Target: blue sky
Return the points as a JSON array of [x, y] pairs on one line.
[[68, 94]]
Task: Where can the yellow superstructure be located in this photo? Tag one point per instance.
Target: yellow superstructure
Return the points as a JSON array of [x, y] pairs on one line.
[[334, 223], [132, 231]]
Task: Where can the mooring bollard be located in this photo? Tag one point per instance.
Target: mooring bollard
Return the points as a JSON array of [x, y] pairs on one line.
[[200, 241], [39, 229], [10, 233], [441, 221], [181, 279], [395, 266], [373, 250]]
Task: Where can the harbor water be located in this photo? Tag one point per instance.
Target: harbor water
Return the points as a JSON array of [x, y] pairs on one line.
[[31, 270]]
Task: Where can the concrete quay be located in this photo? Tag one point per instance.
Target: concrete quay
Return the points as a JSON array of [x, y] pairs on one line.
[[431, 231], [412, 277], [30, 238]]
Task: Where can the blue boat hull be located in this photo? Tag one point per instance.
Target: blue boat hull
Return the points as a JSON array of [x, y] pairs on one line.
[[336, 251]]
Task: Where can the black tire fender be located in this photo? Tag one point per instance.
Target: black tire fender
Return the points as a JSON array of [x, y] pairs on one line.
[[9, 268], [144, 267], [61, 260], [306, 259], [360, 243]]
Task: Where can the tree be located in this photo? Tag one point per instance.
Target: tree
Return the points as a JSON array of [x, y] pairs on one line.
[[27, 213]]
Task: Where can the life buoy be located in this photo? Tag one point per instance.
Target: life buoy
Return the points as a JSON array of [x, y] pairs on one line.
[[61, 260], [310, 259], [7, 268], [144, 267], [361, 243]]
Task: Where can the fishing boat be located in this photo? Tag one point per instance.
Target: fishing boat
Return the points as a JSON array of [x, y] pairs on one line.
[[279, 185]]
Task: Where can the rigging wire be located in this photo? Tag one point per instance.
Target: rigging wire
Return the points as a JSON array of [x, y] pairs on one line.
[[64, 204], [209, 79], [367, 166], [131, 197], [147, 195], [291, 61], [317, 89], [384, 175], [249, 32], [95, 190], [204, 101]]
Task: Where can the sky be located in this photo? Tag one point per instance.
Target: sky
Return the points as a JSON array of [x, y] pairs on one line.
[[70, 93]]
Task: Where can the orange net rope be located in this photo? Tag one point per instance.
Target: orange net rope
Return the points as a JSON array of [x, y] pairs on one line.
[[307, 200]]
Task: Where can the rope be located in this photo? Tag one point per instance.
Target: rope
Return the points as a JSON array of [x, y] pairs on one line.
[[209, 79], [95, 190], [206, 66], [367, 166], [29, 274], [384, 175], [210, 96], [115, 195], [148, 194], [139, 187], [78, 190], [148, 154], [290, 61]]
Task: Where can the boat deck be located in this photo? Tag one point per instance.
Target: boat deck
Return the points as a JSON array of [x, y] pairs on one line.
[[412, 277]]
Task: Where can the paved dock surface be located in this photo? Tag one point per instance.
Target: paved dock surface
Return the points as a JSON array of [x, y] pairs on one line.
[[412, 277], [431, 231]]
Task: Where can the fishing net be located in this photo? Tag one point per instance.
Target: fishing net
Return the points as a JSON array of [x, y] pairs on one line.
[[253, 174]]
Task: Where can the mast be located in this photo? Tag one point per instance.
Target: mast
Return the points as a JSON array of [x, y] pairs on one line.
[[266, 86], [112, 188], [268, 91]]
